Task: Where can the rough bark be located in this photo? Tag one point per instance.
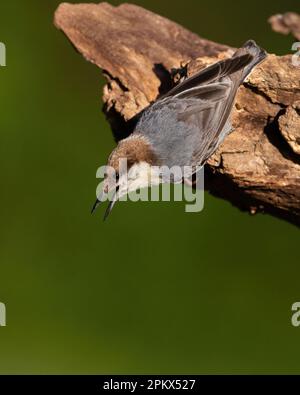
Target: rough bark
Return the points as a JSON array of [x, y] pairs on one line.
[[142, 55], [288, 23]]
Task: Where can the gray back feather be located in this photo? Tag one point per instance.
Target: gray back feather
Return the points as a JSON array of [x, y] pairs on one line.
[[187, 125]]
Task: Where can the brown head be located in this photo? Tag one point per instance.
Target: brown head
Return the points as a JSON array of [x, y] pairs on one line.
[[134, 149], [129, 168]]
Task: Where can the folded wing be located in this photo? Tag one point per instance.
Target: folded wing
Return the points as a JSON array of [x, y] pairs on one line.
[[205, 100]]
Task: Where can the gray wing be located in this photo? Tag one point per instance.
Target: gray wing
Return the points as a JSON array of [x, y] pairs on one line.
[[208, 113], [203, 102], [180, 128], [202, 113]]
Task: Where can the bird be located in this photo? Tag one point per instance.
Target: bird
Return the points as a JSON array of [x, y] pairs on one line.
[[182, 128]]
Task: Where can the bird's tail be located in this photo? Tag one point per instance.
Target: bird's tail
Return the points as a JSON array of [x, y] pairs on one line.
[[257, 53]]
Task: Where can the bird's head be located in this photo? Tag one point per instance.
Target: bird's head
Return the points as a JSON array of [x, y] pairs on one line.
[[129, 167]]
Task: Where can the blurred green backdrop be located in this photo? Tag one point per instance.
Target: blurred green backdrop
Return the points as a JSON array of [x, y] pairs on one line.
[[154, 289]]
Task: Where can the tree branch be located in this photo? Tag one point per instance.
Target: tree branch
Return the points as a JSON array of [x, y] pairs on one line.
[[142, 55], [288, 23]]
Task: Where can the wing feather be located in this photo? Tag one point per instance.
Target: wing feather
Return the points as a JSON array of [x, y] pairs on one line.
[[188, 124], [206, 99]]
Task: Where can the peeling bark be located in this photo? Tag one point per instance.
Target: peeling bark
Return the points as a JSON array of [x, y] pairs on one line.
[[143, 55], [288, 23]]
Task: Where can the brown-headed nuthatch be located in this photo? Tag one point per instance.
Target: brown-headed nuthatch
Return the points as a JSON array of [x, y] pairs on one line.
[[183, 128]]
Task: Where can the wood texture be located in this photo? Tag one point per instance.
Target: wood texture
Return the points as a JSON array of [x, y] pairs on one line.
[[288, 23], [142, 55]]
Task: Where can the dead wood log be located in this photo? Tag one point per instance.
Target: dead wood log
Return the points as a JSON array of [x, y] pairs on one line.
[[288, 23], [142, 55]]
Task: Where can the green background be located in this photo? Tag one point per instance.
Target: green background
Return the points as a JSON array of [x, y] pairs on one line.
[[153, 289]]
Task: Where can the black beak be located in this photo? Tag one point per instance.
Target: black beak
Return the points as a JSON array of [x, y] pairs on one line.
[[111, 204], [109, 208], [96, 204], [107, 211]]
